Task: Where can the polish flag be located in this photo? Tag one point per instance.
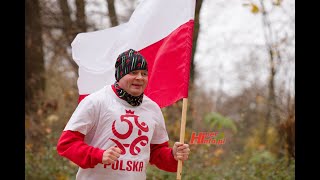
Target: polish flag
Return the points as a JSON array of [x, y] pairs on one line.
[[161, 30]]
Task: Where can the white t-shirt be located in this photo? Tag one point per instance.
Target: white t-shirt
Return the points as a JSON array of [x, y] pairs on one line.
[[106, 121]]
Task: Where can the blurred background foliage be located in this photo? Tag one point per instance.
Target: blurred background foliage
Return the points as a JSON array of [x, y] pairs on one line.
[[258, 124]]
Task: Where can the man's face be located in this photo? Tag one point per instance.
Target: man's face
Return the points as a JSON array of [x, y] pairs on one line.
[[134, 82]]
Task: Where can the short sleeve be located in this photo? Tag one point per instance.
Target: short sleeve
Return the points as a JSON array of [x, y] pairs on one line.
[[83, 118], [160, 134]]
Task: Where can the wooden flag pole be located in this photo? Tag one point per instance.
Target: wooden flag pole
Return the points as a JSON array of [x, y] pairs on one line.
[[182, 133]]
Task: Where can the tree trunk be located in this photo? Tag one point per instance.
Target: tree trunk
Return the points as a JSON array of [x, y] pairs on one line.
[[69, 28], [66, 20], [81, 16], [273, 56], [112, 13], [34, 62], [34, 68], [195, 39], [192, 111]]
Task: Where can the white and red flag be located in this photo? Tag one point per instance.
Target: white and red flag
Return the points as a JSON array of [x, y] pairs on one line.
[[161, 30]]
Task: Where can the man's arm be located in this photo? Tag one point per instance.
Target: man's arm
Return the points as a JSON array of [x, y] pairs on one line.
[[72, 146], [166, 158], [161, 156]]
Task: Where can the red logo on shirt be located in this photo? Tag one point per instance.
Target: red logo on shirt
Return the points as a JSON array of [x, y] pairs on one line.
[[143, 140]]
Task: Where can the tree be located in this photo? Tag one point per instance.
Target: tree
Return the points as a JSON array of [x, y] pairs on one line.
[[112, 13], [34, 62], [195, 38], [192, 109], [279, 43], [274, 55]]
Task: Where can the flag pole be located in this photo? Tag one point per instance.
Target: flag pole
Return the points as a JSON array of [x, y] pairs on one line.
[[182, 133]]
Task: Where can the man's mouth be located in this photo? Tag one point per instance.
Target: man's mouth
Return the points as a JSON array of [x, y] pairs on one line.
[[137, 85]]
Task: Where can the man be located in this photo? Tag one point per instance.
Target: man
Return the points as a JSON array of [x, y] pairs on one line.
[[116, 131]]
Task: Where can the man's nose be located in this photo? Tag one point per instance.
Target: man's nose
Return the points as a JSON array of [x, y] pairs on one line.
[[139, 75]]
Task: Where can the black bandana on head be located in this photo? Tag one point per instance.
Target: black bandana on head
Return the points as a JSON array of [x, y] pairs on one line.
[[132, 100], [128, 61]]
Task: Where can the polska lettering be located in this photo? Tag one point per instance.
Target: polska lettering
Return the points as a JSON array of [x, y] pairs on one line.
[[128, 166], [205, 138]]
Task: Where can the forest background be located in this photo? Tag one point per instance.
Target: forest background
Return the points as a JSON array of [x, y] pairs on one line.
[[250, 102]]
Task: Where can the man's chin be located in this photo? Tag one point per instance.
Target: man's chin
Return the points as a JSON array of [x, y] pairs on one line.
[[136, 93]]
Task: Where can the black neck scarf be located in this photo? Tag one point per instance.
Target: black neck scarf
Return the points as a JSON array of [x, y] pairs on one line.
[[132, 100]]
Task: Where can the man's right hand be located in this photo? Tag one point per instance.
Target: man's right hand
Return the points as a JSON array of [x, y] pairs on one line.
[[111, 155]]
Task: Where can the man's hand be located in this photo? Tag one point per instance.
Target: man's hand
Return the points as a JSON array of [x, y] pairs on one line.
[[111, 155], [180, 151]]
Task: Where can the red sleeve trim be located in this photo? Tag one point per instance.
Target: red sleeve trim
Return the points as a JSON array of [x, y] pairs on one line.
[[161, 156], [81, 97], [72, 146]]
